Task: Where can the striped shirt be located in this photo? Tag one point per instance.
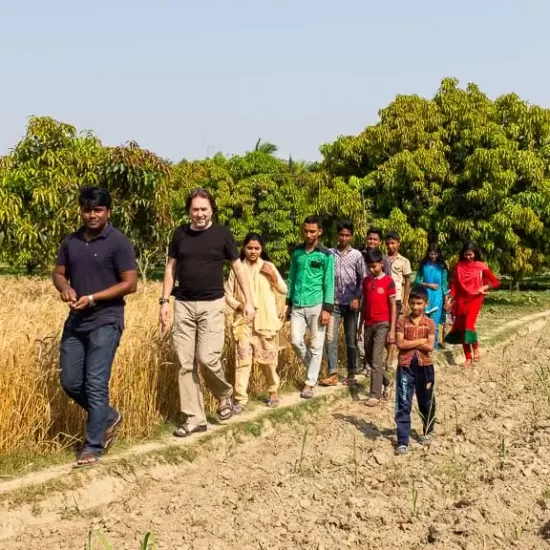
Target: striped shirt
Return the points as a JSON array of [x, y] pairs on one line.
[[412, 331], [349, 269]]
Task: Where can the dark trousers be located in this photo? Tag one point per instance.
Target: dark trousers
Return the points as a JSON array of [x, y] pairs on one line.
[[349, 318], [410, 380], [86, 359], [375, 348]]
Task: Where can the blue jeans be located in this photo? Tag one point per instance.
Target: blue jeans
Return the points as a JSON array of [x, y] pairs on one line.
[[410, 380], [349, 317], [86, 359]]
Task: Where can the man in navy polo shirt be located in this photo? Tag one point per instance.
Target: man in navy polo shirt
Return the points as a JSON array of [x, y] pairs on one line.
[[95, 269]]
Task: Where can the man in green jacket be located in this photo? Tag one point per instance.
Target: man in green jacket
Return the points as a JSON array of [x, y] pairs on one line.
[[310, 299]]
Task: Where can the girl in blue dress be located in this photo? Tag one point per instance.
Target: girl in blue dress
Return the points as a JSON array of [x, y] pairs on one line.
[[432, 275]]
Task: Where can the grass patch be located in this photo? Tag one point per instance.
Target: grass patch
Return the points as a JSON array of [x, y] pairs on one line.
[[20, 463]]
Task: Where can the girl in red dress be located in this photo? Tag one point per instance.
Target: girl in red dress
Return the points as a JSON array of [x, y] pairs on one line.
[[471, 282]]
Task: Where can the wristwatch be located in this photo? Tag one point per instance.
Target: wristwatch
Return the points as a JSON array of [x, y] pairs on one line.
[[164, 301]]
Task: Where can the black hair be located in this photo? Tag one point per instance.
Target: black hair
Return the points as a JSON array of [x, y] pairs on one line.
[[376, 231], [434, 247], [314, 220], [418, 293], [373, 256], [345, 224], [469, 245], [92, 197], [255, 237], [203, 194], [393, 236]]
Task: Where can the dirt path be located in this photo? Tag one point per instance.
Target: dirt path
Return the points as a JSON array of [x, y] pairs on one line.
[[332, 481]]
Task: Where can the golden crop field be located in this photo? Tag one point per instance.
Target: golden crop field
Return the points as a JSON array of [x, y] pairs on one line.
[[36, 416]]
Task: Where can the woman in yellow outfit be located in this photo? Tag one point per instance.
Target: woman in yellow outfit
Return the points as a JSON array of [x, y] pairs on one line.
[[256, 341]]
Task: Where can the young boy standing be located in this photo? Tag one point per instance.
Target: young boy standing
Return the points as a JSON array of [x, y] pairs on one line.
[[378, 317], [401, 273], [310, 299], [415, 371]]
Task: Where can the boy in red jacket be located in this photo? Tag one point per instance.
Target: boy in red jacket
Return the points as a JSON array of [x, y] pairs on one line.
[[378, 318]]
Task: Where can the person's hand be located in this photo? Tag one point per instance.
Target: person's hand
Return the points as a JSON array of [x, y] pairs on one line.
[[82, 303], [484, 290], [69, 296], [354, 304], [164, 315], [249, 312], [447, 305], [269, 272], [433, 286], [288, 313], [324, 318], [391, 337], [360, 334]]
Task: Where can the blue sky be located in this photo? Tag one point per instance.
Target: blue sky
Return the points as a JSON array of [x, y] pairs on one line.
[[189, 78]]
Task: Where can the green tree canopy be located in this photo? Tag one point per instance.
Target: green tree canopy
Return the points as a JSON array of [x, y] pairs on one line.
[[458, 166]]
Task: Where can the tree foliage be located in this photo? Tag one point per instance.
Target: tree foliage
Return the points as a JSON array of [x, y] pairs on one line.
[[454, 167]]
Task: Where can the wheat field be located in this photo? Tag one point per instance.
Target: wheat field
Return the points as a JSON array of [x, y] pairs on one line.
[[36, 416]]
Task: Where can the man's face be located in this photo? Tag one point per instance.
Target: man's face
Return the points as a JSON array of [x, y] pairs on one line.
[[95, 219], [417, 305], [312, 232], [433, 256], [375, 268], [345, 237], [200, 212], [393, 246], [373, 241]]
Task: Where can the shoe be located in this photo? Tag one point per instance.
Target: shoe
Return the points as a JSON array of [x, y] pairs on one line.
[[350, 380], [426, 440], [306, 393], [238, 408], [372, 402], [331, 380], [401, 450]]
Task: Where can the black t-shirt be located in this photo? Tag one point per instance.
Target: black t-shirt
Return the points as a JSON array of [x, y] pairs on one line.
[[200, 257]]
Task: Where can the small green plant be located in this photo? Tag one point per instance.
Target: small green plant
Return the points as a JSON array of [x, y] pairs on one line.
[[298, 467], [355, 463], [414, 494], [147, 542], [503, 448]]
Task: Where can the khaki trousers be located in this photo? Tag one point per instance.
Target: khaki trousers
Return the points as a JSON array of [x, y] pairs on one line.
[[198, 333], [252, 347]]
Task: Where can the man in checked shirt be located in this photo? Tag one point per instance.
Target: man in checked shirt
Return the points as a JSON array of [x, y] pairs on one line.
[[349, 269], [415, 371]]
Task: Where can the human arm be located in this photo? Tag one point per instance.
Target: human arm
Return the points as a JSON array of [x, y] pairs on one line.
[[407, 271], [328, 290], [167, 288], [240, 274], [430, 344], [291, 282], [60, 276], [360, 273], [230, 299], [275, 278], [124, 263], [401, 342], [393, 316], [490, 281], [444, 282]]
